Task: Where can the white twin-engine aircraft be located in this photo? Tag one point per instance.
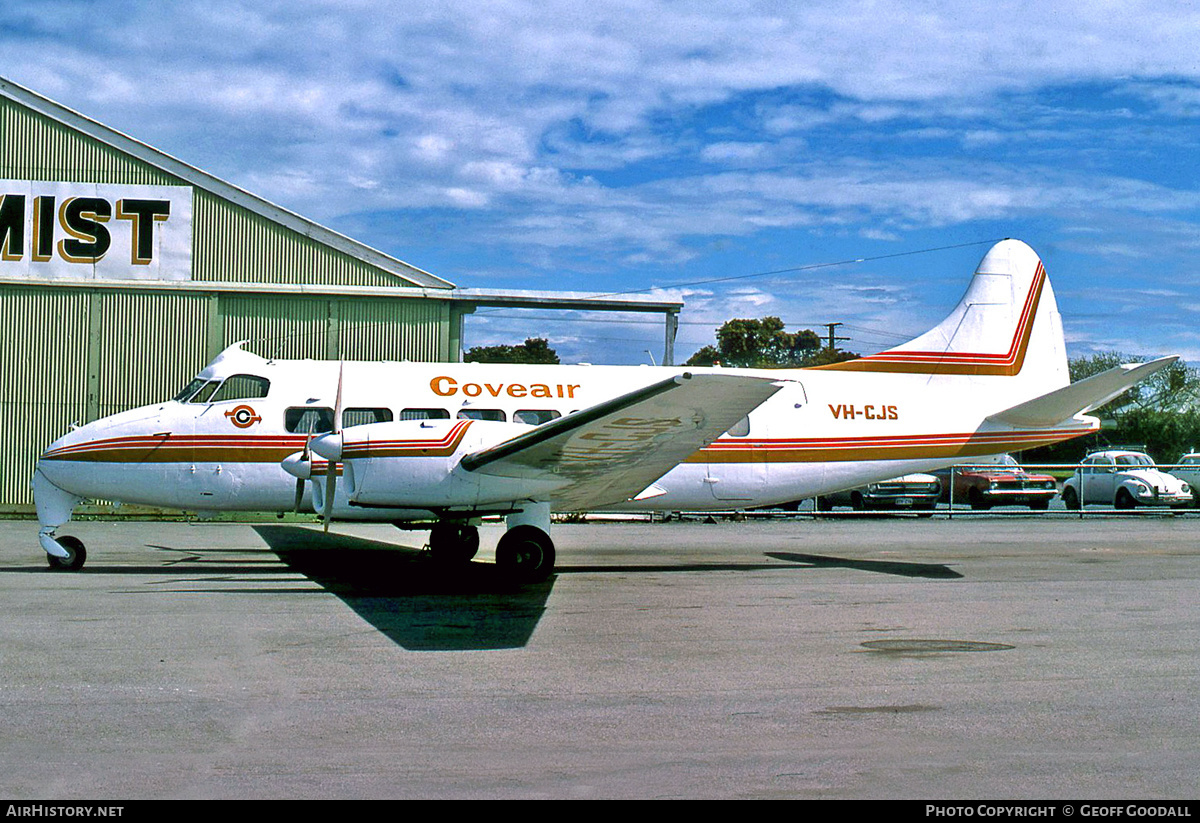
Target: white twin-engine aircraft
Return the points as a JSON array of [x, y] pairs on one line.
[[449, 443]]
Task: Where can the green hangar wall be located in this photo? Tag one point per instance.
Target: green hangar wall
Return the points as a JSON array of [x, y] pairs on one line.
[[124, 271]]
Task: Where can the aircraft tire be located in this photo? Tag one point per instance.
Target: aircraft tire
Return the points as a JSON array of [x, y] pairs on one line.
[[452, 542], [77, 555], [525, 554]]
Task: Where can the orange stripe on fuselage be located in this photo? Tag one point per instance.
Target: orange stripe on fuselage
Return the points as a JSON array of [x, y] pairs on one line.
[[443, 447]]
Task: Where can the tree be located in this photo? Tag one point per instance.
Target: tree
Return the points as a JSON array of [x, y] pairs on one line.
[[533, 350], [1174, 389], [765, 344]]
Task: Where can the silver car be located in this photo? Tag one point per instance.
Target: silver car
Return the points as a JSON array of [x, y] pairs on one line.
[[1188, 471], [1123, 478]]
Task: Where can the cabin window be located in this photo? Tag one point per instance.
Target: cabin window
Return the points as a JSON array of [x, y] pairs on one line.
[[362, 417], [304, 419], [495, 415], [424, 414], [740, 428], [242, 387], [535, 417]]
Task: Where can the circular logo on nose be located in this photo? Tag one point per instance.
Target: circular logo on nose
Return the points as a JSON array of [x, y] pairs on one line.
[[243, 416]]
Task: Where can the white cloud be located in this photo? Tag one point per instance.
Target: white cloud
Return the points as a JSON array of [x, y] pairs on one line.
[[635, 134]]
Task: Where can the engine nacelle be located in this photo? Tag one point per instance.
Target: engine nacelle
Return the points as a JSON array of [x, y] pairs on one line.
[[415, 464]]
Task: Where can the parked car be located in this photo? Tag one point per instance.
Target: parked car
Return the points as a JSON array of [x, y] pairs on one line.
[[913, 492], [1123, 478], [1002, 483], [1189, 472]]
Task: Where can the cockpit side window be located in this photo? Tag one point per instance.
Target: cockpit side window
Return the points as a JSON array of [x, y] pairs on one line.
[[242, 387], [206, 392]]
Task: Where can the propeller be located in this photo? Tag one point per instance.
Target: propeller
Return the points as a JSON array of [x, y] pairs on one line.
[[328, 446], [334, 440], [304, 462]]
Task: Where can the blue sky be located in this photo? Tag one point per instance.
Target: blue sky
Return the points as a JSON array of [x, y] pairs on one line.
[[615, 146]]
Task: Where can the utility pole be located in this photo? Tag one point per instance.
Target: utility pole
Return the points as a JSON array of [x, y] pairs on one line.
[[833, 339]]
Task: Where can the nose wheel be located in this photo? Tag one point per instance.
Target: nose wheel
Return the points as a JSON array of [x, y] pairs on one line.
[[76, 555]]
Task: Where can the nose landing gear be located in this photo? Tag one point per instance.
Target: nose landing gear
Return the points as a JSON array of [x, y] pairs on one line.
[[75, 553]]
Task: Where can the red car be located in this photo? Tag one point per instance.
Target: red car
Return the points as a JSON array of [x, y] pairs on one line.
[[1004, 483]]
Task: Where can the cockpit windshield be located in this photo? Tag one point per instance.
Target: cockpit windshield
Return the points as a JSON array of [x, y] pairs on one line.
[[190, 389]]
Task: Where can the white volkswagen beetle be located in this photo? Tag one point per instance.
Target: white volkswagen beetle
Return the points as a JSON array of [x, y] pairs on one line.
[[1188, 471], [1125, 479]]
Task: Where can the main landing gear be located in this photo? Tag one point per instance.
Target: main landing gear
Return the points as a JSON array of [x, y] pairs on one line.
[[525, 554], [453, 541]]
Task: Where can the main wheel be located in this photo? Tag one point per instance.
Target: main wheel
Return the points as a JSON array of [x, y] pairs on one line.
[[525, 554], [76, 555], [453, 542]]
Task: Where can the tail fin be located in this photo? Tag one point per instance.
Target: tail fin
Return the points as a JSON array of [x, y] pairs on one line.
[[1006, 325]]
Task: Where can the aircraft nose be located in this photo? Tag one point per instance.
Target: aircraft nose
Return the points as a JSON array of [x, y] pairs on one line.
[[53, 461]]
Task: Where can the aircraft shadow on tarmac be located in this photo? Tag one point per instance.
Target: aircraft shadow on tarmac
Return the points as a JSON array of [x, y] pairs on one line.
[[935, 571], [416, 602], [422, 605]]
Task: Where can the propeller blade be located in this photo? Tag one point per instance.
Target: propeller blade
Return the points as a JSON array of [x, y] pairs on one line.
[[331, 467], [305, 457], [330, 484], [337, 403]]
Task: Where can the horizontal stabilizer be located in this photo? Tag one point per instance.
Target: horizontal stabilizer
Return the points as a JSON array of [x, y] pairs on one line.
[[1089, 393], [610, 452]]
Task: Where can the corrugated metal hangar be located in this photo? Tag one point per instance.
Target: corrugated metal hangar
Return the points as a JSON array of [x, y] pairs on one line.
[[123, 271]]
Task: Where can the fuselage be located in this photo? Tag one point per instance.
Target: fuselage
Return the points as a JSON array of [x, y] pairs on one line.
[[219, 445]]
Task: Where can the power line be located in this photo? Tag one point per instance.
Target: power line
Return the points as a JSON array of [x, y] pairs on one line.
[[808, 267]]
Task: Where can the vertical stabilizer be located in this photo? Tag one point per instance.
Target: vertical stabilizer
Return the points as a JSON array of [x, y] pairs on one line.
[[1006, 325]]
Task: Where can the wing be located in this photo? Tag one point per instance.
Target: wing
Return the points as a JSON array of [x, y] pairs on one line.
[[610, 452]]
